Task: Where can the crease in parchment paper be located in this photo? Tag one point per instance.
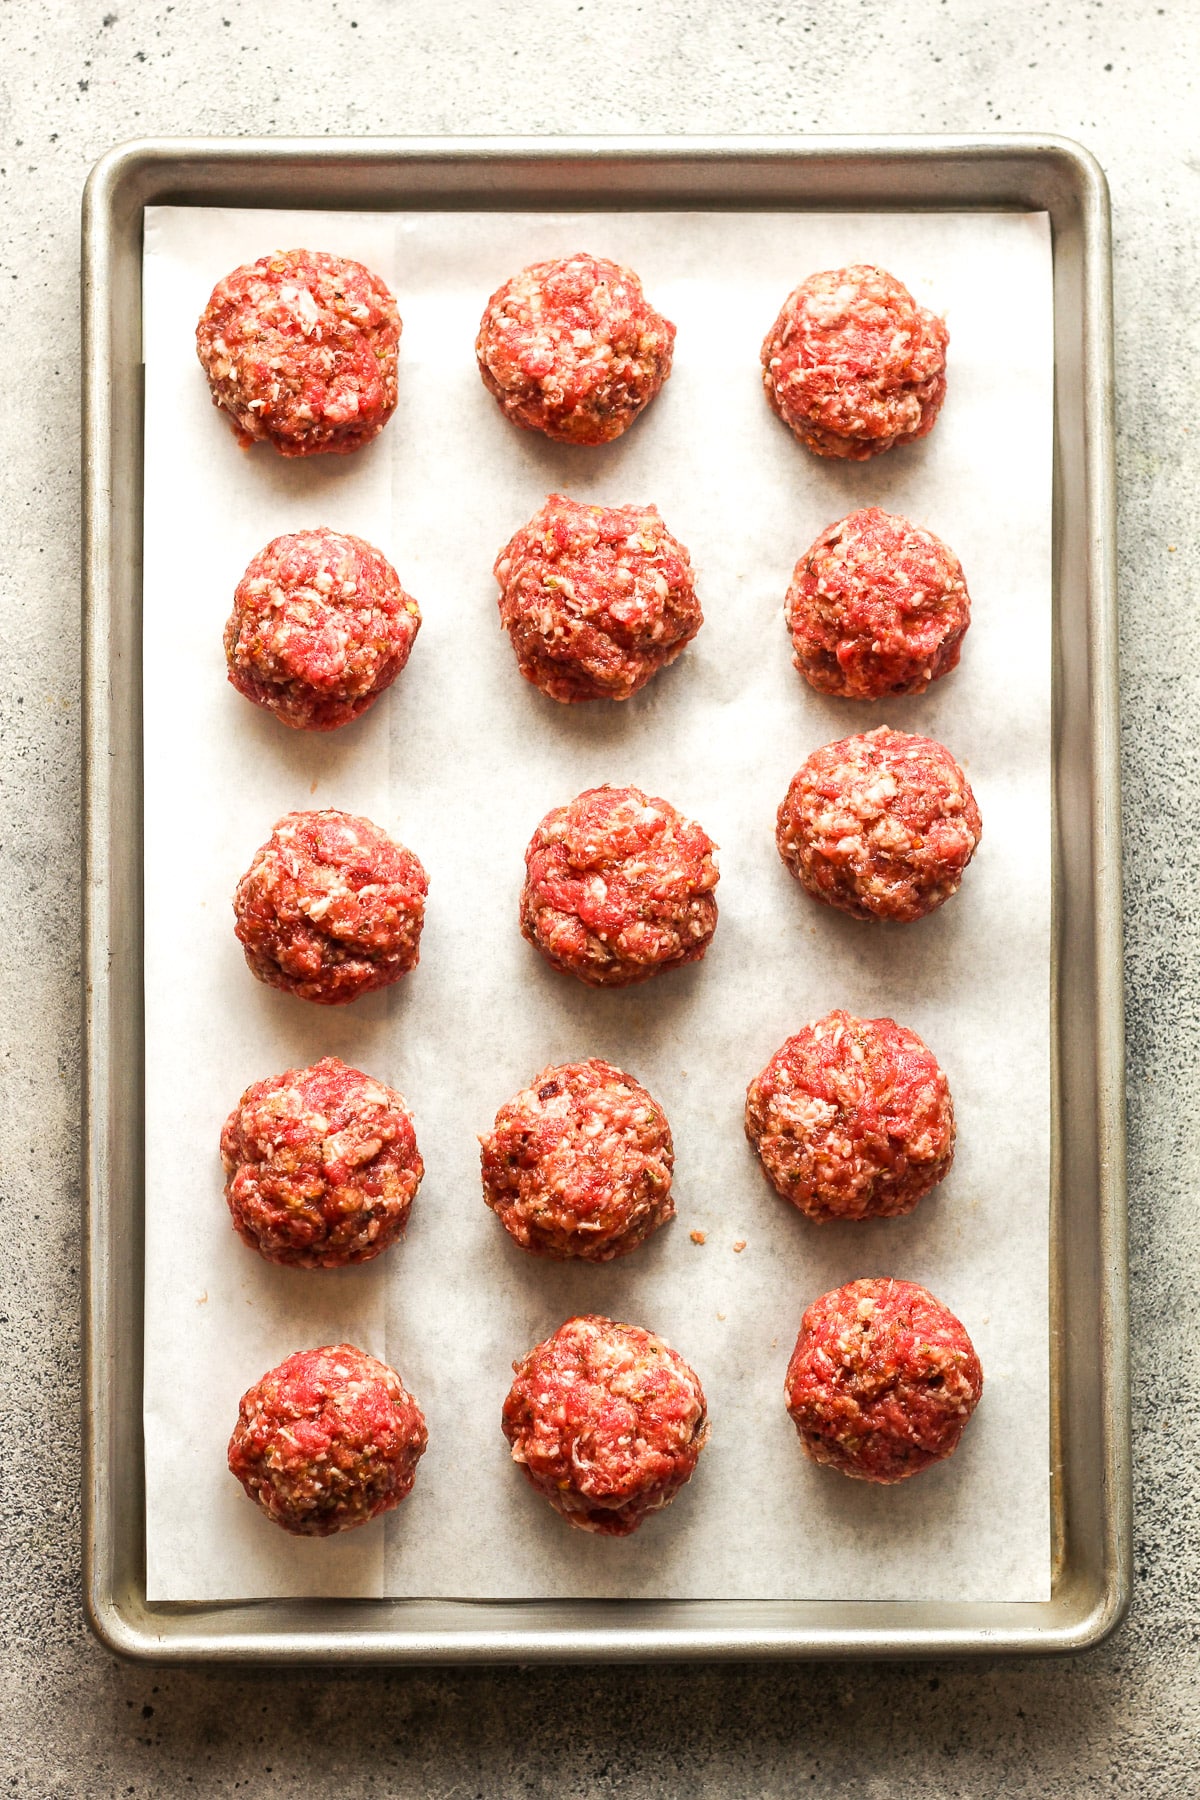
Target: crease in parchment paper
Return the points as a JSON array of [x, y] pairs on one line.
[[460, 760]]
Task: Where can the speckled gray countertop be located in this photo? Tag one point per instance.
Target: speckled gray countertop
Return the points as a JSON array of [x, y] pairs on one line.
[[76, 78]]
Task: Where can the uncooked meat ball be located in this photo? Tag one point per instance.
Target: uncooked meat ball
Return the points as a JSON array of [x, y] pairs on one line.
[[320, 627], [852, 1119], [619, 887], [877, 606], [573, 348], [881, 826], [578, 1164], [300, 352], [321, 1166], [596, 599], [607, 1421], [853, 365], [326, 1441], [882, 1380], [330, 908]]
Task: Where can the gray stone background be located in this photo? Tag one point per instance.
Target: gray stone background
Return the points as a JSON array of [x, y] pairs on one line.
[[81, 75]]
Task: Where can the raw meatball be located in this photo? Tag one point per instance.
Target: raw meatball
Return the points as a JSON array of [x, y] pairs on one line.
[[618, 887], [321, 1166], [320, 627], [328, 1440], [330, 908], [579, 1164], [882, 1380], [880, 826], [573, 348], [596, 599], [300, 351], [608, 1423], [852, 1119], [853, 365], [877, 606]]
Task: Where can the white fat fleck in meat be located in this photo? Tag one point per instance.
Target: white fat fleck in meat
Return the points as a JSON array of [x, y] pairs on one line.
[[303, 306]]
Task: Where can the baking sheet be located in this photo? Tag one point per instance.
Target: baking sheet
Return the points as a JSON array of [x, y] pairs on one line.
[[460, 761]]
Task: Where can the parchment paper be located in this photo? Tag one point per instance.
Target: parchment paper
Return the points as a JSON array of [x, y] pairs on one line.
[[460, 761]]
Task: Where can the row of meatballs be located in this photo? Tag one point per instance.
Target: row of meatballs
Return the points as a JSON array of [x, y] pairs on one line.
[[619, 886], [301, 351], [607, 1420], [851, 1119], [595, 600]]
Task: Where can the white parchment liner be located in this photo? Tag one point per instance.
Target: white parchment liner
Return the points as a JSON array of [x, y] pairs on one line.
[[460, 761]]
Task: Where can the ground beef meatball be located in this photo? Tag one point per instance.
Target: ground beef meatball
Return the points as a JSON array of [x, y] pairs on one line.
[[853, 365], [882, 1380], [579, 1164], [596, 599], [852, 1119], [320, 627], [328, 1440], [880, 826], [618, 887], [300, 351], [877, 606], [573, 348], [321, 1166], [330, 908], [607, 1421]]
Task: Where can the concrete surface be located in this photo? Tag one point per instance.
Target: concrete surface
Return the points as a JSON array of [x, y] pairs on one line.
[[83, 74]]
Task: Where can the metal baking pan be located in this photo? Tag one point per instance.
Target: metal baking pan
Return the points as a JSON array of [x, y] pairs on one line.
[[1089, 1449]]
